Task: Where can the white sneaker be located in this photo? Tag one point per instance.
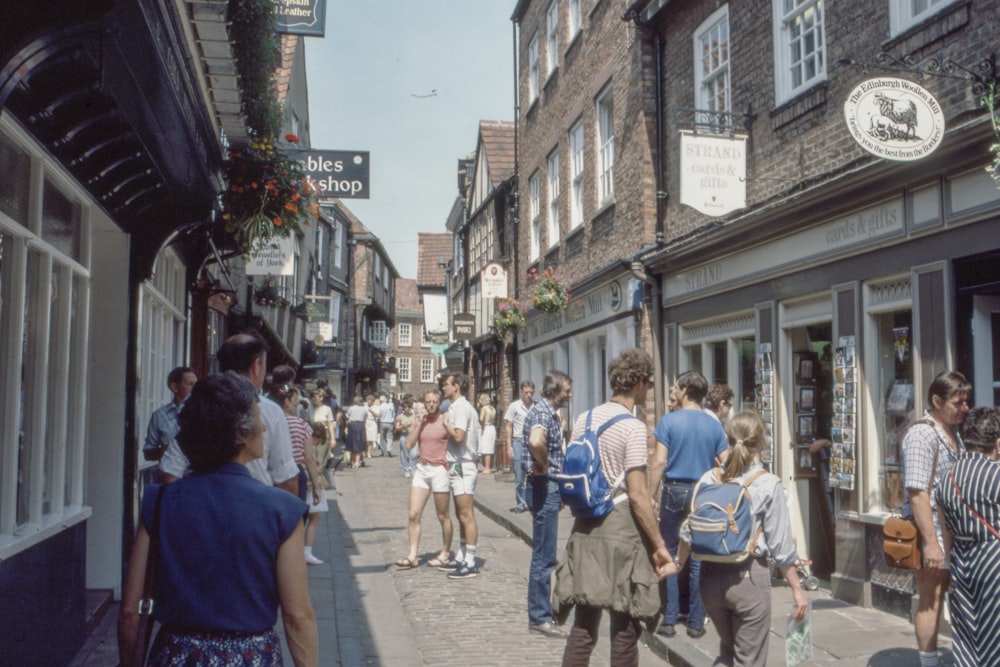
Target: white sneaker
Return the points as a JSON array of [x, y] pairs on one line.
[[312, 560]]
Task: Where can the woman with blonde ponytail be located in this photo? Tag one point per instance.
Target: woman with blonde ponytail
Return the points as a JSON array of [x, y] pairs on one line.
[[737, 596]]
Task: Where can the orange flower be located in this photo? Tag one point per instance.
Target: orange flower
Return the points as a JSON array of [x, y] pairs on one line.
[[291, 138], [277, 222], [289, 206]]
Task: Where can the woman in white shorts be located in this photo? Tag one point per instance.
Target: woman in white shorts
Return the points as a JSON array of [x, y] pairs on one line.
[[430, 476]]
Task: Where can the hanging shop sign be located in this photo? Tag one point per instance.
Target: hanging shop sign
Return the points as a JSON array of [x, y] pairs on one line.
[[463, 326], [341, 174], [894, 119], [274, 257], [493, 281], [713, 173], [300, 17]]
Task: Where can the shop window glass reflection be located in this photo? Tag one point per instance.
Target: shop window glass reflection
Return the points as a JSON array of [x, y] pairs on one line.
[[895, 386], [745, 397], [720, 367], [15, 175]]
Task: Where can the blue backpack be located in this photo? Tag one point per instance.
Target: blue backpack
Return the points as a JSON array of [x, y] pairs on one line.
[[721, 520], [581, 481]]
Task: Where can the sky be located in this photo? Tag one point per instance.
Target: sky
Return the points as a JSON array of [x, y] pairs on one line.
[[409, 81]]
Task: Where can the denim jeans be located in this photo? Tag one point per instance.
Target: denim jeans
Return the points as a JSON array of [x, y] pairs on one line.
[[385, 430], [519, 473], [675, 505], [543, 503], [408, 457]]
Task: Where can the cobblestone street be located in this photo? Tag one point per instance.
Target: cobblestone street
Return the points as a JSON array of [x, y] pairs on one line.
[[379, 614]]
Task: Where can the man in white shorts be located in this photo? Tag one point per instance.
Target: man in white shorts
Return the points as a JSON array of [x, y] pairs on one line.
[[462, 423], [431, 476]]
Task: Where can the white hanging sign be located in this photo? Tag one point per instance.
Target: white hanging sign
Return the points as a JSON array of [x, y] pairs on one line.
[[494, 281], [713, 173], [894, 119], [275, 257]]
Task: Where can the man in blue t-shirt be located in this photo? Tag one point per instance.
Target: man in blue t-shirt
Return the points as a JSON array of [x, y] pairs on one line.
[[689, 442]]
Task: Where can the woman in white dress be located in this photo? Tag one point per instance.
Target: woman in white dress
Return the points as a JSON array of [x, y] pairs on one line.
[[488, 437]]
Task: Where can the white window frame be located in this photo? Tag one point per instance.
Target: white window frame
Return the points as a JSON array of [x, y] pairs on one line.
[[712, 78], [533, 70], [785, 20], [553, 176], [379, 334], [576, 161], [604, 106], [404, 369], [534, 209], [338, 244], [552, 38], [903, 15], [405, 336], [575, 19], [55, 364], [426, 369]]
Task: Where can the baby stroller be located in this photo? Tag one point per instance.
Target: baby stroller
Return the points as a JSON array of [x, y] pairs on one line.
[[809, 582]]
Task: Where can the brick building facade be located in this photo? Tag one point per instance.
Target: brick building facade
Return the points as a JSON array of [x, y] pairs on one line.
[[848, 279]]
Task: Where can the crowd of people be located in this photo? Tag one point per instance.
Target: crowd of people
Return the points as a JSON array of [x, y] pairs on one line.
[[636, 562]]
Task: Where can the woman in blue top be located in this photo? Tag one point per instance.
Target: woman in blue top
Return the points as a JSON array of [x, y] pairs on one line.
[[230, 548]]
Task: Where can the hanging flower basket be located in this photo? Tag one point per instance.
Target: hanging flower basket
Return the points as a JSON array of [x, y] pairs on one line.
[[991, 100], [267, 294], [548, 292], [267, 195], [509, 317]]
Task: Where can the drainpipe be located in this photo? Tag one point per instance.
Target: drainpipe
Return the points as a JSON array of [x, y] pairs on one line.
[[638, 266]]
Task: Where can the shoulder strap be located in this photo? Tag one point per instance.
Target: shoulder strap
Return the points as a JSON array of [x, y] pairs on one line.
[[989, 527], [754, 478], [597, 444]]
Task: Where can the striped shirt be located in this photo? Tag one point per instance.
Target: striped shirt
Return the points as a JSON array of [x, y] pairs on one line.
[[623, 446], [300, 431]]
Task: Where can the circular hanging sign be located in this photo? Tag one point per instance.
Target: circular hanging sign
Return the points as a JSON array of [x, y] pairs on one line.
[[894, 119]]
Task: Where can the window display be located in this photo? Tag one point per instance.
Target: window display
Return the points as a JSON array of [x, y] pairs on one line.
[[894, 375]]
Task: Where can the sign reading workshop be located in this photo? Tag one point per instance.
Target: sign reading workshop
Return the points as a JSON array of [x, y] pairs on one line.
[[894, 119], [300, 17], [341, 174], [713, 173]]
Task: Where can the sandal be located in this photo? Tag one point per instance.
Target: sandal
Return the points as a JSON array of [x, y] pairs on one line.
[[406, 563], [436, 562]]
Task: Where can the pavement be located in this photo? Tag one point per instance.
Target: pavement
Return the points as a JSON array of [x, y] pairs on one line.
[[371, 613]]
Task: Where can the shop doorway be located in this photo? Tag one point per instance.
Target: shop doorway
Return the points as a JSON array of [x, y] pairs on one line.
[[812, 400], [985, 349]]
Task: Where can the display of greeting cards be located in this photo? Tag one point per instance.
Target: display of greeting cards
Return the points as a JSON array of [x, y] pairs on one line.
[[844, 415], [764, 398]]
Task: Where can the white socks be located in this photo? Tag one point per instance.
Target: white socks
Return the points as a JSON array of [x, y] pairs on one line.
[[929, 659], [470, 555]]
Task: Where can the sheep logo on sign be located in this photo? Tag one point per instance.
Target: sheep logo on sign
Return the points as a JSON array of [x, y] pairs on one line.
[[894, 119]]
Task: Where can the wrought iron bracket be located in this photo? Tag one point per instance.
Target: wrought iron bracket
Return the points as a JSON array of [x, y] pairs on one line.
[[983, 75], [713, 122]]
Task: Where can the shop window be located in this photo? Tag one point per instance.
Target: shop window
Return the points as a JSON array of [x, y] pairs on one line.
[[15, 173], [812, 394], [44, 301], [744, 389], [893, 388], [61, 221]]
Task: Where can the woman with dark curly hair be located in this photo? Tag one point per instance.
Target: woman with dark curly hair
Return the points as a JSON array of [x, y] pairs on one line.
[[229, 548], [968, 501]]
